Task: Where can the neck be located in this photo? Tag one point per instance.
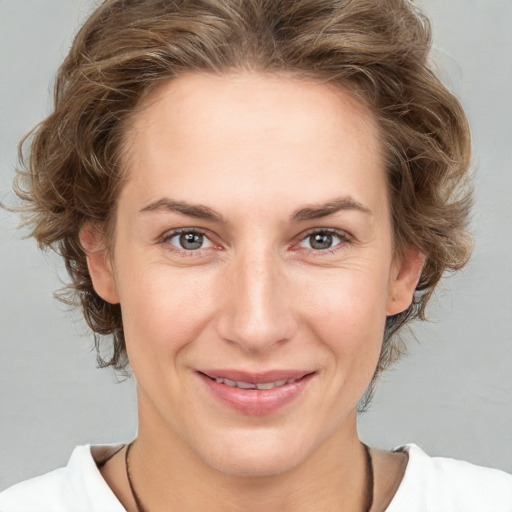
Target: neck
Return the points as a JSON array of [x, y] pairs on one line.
[[166, 472]]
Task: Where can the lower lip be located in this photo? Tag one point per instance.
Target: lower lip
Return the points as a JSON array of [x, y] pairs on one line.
[[256, 401]]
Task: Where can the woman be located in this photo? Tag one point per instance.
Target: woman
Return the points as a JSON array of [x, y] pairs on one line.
[[252, 198]]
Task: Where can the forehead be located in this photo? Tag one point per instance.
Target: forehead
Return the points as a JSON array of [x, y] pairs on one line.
[[245, 100], [254, 131]]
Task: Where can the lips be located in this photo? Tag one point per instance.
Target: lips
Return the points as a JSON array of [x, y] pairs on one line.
[[256, 377], [256, 393]]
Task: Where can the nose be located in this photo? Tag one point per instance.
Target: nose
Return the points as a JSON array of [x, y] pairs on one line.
[[256, 309]]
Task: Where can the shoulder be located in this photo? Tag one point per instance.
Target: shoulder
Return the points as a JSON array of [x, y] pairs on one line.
[[78, 487], [438, 484]]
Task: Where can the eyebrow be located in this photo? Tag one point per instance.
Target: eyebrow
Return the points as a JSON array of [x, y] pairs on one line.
[[323, 210], [308, 212], [192, 210]]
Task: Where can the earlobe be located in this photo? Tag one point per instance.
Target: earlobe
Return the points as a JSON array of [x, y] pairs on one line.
[[404, 280], [98, 263]]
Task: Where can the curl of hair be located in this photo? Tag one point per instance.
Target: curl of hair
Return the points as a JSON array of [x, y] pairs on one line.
[[72, 172]]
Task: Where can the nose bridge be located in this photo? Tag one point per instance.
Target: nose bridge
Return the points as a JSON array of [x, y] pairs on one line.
[[257, 313]]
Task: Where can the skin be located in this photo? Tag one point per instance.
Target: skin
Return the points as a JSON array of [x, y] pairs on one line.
[[257, 296]]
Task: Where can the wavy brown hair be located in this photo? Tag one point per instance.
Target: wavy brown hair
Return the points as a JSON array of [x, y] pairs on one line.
[[71, 164]]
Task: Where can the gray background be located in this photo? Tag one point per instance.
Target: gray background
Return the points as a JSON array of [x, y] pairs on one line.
[[452, 395]]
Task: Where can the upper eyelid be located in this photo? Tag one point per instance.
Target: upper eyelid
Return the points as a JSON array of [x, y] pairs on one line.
[[173, 232], [303, 234], [168, 235], [325, 230], [338, 232]]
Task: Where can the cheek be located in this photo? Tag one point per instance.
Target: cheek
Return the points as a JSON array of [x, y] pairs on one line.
[[346, 322], [349, 314], [164, 311]]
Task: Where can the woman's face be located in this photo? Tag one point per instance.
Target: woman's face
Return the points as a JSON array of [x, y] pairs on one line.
[[253, 248]]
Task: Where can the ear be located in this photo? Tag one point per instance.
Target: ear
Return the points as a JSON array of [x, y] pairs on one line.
[[98, 262], [405, 275]]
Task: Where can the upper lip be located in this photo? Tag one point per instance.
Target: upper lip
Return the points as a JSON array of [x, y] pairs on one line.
[[255, 377]]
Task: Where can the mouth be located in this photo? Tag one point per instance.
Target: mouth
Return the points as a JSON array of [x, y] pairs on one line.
[[256, 393], [255, 385], [256, 380]]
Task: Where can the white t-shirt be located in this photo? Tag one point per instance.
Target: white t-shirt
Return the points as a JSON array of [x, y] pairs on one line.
[[430, 484]]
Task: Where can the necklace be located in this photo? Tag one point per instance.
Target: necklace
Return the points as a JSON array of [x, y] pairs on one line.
[[140, 506], [369, 479]]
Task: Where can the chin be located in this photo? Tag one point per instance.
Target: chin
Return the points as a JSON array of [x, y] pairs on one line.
[[255, 457]]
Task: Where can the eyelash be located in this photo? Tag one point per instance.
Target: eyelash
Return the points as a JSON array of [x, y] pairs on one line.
[[341, 235], [183, 252]]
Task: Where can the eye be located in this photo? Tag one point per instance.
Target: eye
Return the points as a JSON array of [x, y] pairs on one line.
[[188, 240], [323, 240]]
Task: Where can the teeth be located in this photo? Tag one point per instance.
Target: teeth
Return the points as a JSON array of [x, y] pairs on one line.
[[265, 385], [245, 385], [250, 385]]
